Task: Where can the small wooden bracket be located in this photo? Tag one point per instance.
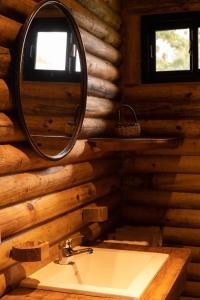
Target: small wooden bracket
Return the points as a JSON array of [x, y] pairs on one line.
[[95, 214], [30, 251]]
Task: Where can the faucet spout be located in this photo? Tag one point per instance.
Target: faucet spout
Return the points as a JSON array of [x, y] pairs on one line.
[[68, 251], [72, 252]]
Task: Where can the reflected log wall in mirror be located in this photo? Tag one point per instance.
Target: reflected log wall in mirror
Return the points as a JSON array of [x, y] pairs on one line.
[[51, 80]]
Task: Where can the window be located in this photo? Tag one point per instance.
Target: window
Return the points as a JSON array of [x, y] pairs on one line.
[[171, 47], [51, 52]]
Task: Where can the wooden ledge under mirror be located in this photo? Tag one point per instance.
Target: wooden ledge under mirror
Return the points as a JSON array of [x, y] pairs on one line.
[[134, 144]]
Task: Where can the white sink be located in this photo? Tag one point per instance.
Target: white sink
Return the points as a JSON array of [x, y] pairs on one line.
[[105, 272]]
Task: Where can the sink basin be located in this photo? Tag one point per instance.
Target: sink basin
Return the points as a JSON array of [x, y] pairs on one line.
[[105, 272]]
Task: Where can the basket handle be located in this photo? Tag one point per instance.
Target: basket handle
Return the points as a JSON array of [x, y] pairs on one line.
[[128, 107]]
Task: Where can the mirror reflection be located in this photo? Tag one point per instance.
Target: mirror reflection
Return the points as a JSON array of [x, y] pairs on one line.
[[52, 80], [51, 51]]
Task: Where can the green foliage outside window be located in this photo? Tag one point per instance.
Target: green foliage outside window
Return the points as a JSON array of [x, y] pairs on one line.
[[172, 50]]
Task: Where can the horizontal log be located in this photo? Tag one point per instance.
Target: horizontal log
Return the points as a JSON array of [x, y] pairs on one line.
[[8, 31], [193, 271], [19, 187], [95, 214], [168, 6], [95, 230], [167, 109], [92, 127], [114, 4], [186, 147], [100, 68], [164, 92], [97, 47], [100, 107], [97, 127], [166, 182], [15, 9], [162, 164], [9, 130], [195, 253], [177, 182], [111, 201], [182, 128], [183, 236], [6, 102], [138, 181], [95, 66], [96, 107], [19, 159], [92, 23], [170, 100], [161, 216], [53, 125], [101, 88], [52, 97], [162, 198], [139, 235], [5, 61], [192, 289], [28, 214], [103, 11], [84, 18]]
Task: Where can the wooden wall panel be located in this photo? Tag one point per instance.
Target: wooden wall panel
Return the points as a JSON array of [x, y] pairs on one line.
[[161, 186], [38, 196]]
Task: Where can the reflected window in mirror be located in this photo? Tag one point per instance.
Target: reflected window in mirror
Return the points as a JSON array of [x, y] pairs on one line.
[[51, 51]]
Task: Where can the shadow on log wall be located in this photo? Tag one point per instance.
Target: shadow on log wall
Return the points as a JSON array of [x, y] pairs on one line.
[[162, 186]]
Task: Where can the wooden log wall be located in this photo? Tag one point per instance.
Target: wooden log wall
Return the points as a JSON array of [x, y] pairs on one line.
[[161, 187], [44, 200]]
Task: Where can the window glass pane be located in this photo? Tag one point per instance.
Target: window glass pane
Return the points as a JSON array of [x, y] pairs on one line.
[[51, 51], [172, 50]]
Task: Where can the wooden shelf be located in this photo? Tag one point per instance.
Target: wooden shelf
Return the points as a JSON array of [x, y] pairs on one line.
[[133, 144]]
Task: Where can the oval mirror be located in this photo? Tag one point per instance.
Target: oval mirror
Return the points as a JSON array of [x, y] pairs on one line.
[[51, 80]]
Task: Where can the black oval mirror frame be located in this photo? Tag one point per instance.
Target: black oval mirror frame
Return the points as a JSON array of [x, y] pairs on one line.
[[51, 80]]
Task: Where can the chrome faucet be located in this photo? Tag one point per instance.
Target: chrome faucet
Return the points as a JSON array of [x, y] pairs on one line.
[[67, 251]]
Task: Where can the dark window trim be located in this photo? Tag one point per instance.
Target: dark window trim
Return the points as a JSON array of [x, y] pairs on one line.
[[151, 24]]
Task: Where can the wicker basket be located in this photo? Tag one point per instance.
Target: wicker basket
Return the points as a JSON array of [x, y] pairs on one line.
[[127, 128]]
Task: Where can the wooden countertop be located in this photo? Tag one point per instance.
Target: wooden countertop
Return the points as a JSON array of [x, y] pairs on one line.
[[166, 285]]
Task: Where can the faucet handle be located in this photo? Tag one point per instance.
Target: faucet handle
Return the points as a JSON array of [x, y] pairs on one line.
[[70, 241]]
